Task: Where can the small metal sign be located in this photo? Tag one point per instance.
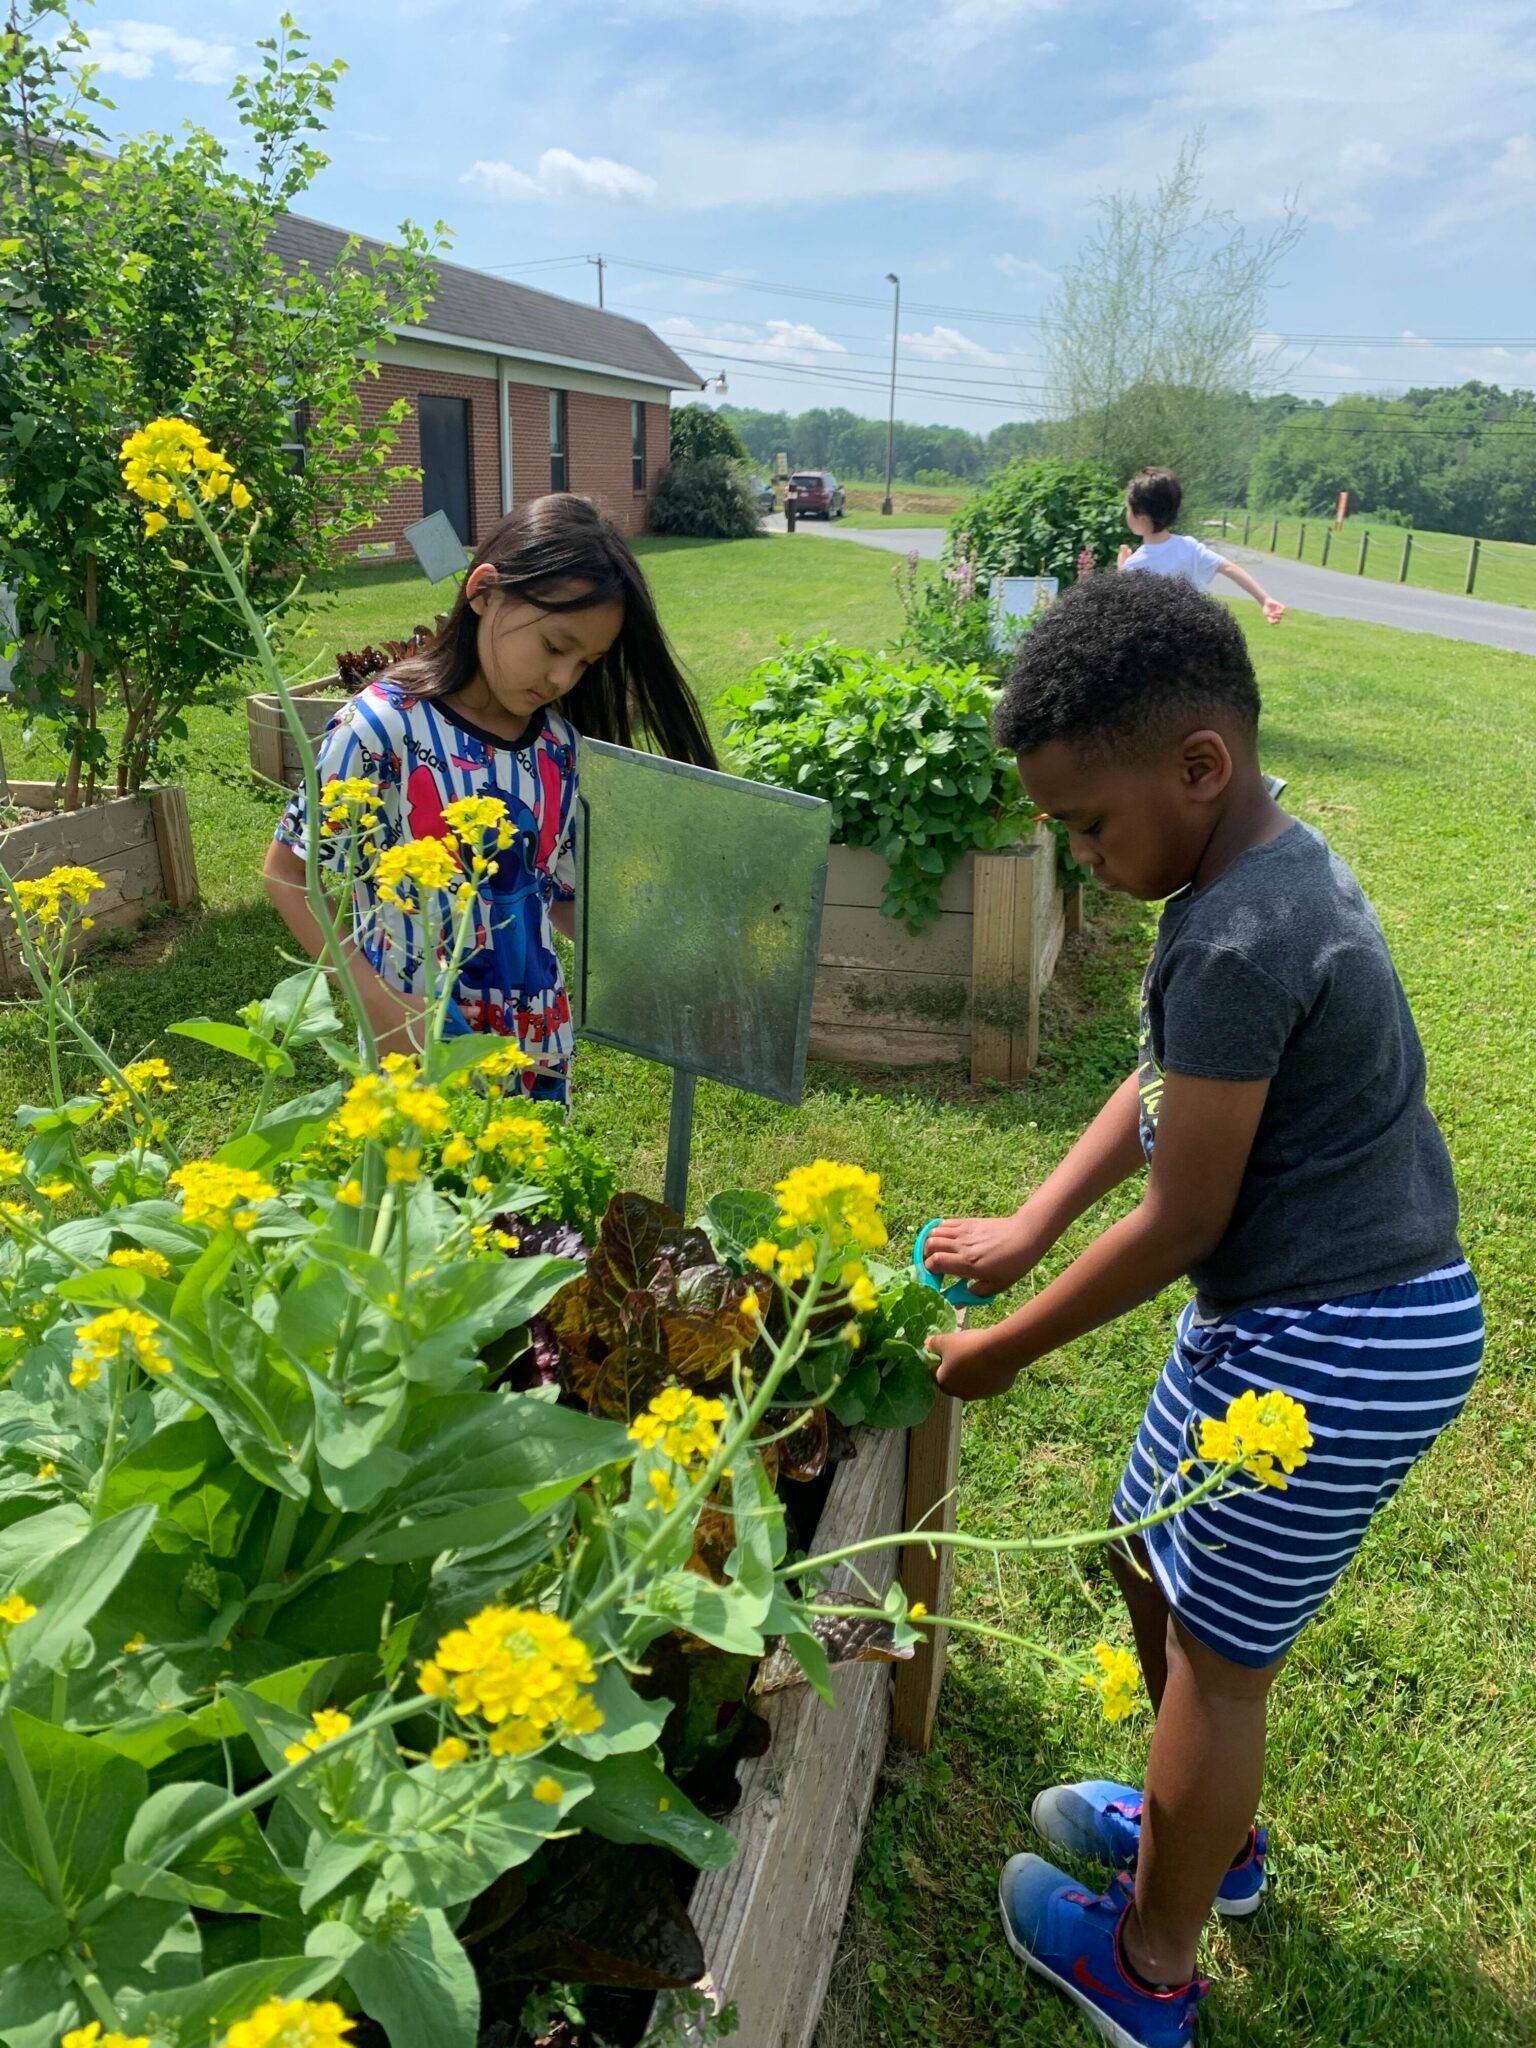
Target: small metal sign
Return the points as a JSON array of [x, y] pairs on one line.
[[698, 918], [436, 546]]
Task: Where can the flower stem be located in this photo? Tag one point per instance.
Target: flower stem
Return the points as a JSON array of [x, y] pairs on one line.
[[34, 1819]]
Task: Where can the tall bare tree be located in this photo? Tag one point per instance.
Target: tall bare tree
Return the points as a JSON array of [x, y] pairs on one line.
[[1154, 333]]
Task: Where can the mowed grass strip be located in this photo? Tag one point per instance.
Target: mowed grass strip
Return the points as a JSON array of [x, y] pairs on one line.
[[1404, 1735]]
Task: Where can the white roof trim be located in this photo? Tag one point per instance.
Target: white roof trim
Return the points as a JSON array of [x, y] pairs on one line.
[[529, 355]]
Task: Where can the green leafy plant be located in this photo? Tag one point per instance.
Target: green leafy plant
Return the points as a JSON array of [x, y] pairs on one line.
[[698, 434], [321, 1647], [151, 285], [705, 497], [949, 619], [903, 753], [1036, 518]]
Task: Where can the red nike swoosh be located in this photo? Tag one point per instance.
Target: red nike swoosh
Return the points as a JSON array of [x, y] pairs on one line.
[[1089, 1982]]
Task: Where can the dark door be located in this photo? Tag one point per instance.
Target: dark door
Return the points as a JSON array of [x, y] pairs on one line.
[[445, 461]]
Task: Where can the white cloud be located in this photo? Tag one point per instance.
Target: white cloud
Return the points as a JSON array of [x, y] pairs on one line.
[[958, 28], [561, 177], [949, 345], [1025, 270], [800, 336], [1517, 160], [680, 328], [134, 49]]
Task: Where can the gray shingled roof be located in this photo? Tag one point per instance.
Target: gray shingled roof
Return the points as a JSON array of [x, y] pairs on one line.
[[478, 307]]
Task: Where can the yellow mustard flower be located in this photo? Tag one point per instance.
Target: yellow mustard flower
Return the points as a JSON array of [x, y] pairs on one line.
[[405, 871], [683, 1425], [522, 1671], [510, 1059], [1258, 1431], [121, 1332], [167, 463], [149, 1076], [453, 1750], [15, 1609], [218, 1195], [91, 2036], [292, 2023], [840, 1202], [326, 1725], [134, 1644], [12, 1165], [458, 1151], [548, 1791], [402, 1165], [52, 900], [862, 1298], [139, 1259], [47, 1469], [1117, 1681], [55, 1190], [351, 1193]]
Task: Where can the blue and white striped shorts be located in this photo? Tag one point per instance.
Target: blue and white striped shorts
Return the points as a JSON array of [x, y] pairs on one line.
[[1380, 1376]]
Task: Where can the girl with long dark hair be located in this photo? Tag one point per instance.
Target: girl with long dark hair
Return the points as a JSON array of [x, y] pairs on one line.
[[553, 636]]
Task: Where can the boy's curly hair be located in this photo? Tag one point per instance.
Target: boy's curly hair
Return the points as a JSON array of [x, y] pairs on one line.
[[1120, 662]]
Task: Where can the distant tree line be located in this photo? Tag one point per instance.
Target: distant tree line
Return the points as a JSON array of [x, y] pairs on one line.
[[830, 437]]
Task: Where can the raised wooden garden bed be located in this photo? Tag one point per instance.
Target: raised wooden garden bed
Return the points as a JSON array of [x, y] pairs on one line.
[[274, 754], [770, 1921], [141, 846], [966, 987]]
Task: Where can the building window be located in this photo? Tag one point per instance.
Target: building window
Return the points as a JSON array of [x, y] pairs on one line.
[[559, 443], [295, 442], [637, 444]]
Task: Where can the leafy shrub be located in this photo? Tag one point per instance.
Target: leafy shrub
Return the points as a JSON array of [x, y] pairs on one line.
[[949, 619], [698, 434], [356, 668], [709, 498], [903, 754], [1036, 517]]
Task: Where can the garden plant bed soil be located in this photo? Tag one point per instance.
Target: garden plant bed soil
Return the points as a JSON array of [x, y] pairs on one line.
[[966, 987], [140, 845]]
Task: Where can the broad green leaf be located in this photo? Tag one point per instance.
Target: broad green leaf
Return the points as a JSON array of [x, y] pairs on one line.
[[38, 1999], [190, 2018], [69, 1589], [730, 1617], [739, 1219], [629, 1722], [89, 1796], [310, 1313], [418, 1984], [71, 1115], [433, 1865], [302, 1007], [335, 1861], [143, 1945], [229, 1871], [462, 1307], [906, 1391], [284, 1132], [297, 1688], [205, 1277], [238, 1041], [633, 1800], [109, 1288]]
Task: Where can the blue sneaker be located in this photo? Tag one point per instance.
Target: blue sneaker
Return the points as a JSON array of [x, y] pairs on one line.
[[1072, 1939], [1102, 1821]]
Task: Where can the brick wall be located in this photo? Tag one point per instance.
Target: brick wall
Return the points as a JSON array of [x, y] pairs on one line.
[[396, 380], [599, 454]]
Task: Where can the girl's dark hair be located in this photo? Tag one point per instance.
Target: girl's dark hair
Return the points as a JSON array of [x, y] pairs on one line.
[[1155, 494], [636, 690]]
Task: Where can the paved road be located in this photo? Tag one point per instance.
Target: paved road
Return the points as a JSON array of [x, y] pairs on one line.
[[1328, 591], [1340, 596]]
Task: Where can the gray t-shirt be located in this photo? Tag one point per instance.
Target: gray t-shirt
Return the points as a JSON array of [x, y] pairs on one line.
[[1279, 972]]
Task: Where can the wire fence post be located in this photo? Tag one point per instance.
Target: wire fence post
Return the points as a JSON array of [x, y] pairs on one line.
[[1301, 541], [1327, 543], [1472, 554], [1247, 525], [1274, 535], [1402, 574], [1365, 542], [1223, 522]]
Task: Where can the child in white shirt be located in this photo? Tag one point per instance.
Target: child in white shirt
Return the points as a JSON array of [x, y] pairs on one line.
[[1152, 501]]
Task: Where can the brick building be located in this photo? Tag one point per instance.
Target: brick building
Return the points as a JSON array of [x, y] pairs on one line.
[[512, 393]]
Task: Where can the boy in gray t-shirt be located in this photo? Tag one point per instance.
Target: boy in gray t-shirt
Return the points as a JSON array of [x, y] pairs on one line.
[[1297, 1176]]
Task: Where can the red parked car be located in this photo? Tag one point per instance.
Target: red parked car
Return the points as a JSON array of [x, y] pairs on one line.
[[814, 494]]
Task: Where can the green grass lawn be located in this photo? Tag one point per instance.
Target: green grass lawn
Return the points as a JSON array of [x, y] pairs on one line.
[[1404, 1912], [1506, 570], [911, 505]]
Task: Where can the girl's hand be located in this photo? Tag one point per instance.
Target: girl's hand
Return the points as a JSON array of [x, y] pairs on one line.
[[969, 1369], [1274, 610], [1125, 554], [989, 1253]]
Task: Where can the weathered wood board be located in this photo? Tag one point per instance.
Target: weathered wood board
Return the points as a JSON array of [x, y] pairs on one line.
[[274, 753], [141, 846]]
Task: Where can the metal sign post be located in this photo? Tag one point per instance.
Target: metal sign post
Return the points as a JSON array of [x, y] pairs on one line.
[[437, 547], [698, 917]]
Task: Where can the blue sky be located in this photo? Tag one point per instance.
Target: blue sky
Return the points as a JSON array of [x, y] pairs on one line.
[[792, 152]]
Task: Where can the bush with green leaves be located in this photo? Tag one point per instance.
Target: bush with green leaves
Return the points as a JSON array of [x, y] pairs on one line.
[[151, 283], [698, 433], [375, 1579], [1036, 517], [902, 752], [708, 497]]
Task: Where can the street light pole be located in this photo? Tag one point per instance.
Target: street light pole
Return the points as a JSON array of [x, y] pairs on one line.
[[890, 431]]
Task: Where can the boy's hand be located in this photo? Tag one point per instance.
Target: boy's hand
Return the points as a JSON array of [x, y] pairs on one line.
[[969, 1368], [989, 1253], [1274, 610]]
